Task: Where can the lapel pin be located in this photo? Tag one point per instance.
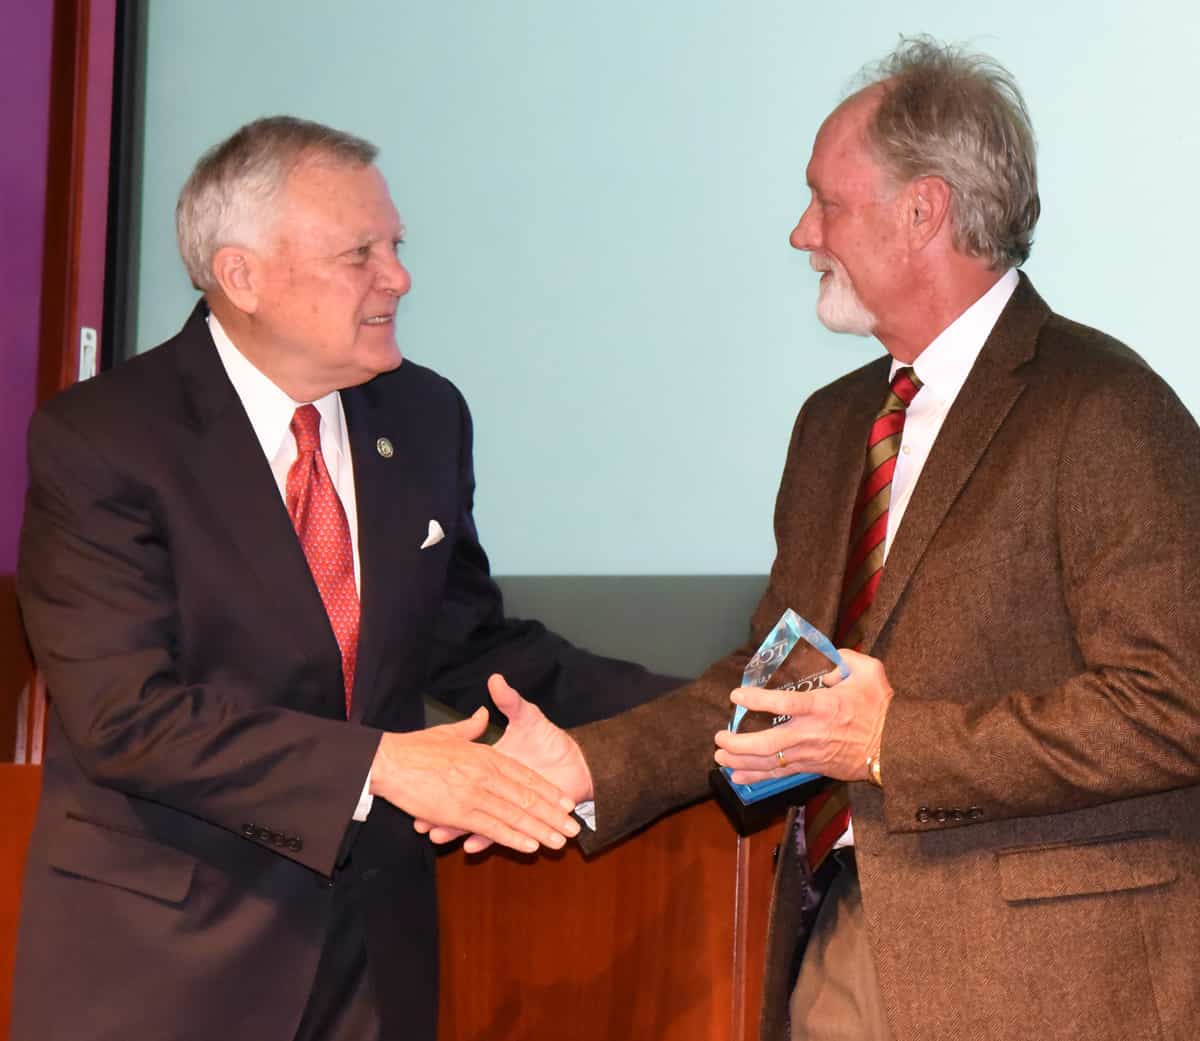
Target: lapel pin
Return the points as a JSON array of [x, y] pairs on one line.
[[384, 447]]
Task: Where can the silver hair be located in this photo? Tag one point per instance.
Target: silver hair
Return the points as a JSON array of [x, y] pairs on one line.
[[231, 196], [950, 113]]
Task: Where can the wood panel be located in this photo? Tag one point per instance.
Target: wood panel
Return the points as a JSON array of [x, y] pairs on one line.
[[638, 942], [74, 236], [20, 787], [15, 667]]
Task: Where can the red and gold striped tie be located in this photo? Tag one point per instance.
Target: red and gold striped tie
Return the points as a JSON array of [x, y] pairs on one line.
[[320, 522], [827, 815]]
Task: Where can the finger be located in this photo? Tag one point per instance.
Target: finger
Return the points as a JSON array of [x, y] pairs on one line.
[[468, 729], [757, 760], [506, 698], [476, 844], [498, 823], [832, 678], [763, 743], [440, 835], [422, 827], [521, 808], [514, 772], [776, 702]]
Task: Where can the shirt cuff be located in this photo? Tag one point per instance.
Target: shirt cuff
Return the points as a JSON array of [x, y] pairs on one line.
[[586, 812], [365, 801]]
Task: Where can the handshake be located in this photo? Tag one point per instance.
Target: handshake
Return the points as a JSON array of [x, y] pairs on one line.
[[521, 791]]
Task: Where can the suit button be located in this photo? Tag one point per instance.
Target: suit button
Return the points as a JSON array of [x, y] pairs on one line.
[[775, 854], [974, 813], [939, 815], [295, 844], [249, 830], [956, 814], [923, 815]]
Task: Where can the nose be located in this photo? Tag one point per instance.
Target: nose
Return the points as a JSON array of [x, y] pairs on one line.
[[394, 277], [805, 234]]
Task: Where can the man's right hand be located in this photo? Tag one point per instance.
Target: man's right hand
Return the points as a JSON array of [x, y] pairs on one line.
[[442, 776], [533, 740]]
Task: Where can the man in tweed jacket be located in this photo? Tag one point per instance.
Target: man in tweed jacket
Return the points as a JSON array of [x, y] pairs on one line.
[[1021, 727]]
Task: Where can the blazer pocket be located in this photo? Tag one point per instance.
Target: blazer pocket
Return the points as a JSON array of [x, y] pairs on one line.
[[1109, 865], [121, 859]]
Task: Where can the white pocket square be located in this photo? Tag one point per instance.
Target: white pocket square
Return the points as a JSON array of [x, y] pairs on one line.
[[435, 535]]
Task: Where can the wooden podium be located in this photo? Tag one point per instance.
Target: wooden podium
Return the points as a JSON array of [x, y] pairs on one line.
[[661, 937], [20, 787]]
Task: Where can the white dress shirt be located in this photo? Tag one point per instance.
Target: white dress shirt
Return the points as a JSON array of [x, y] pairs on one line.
[[942, 368], [270, 412]]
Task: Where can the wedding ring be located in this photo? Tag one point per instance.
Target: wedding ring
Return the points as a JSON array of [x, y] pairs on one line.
[[779, 756]]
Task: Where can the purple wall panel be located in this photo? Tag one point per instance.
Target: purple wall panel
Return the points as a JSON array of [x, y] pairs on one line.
[[25, 87]]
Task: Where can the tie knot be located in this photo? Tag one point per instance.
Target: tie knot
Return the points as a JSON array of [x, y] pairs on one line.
[[905, 385], [306, 428]]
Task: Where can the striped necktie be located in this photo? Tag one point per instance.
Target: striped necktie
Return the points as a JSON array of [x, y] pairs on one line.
[[827, 815], [320, 521]]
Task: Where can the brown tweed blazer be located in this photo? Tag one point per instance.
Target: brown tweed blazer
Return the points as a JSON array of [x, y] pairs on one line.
[[1031, 869]]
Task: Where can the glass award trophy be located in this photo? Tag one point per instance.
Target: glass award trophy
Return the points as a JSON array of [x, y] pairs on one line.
[[794, 656]]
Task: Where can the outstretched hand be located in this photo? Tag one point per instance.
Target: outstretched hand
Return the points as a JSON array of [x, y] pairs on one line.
[[441, 775], [534, 742]]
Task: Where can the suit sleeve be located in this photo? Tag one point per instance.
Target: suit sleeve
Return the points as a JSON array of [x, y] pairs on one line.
[[659, 757], [97, 598], [475, 639], [1126, 721]]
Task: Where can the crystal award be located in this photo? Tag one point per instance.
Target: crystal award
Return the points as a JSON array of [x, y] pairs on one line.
[[794, 656]]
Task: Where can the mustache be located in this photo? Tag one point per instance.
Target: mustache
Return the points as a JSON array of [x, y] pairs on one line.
[[821, 263]]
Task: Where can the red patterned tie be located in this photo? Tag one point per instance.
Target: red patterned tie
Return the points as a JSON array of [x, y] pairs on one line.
[[320, 523], [827, 815]]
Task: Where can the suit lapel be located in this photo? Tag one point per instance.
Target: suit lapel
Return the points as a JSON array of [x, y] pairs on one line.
[[989, 393], [387, 482], [234, 479]]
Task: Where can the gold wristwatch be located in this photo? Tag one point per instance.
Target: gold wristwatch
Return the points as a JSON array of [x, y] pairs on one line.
[[873, 770]]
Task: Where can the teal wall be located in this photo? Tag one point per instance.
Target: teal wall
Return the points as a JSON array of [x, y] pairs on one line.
[[598, 199]]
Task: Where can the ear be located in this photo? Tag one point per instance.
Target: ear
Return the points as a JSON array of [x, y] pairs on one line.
[[928, 210], [238, 272]]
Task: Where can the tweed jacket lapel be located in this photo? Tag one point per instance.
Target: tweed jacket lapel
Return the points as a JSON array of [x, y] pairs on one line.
[[234, 481], [987, 396]]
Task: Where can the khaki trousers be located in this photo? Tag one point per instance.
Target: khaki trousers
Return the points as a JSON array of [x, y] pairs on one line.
[[836, 997]]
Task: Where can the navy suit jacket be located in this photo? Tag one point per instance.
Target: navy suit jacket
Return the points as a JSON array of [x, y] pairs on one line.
[[200, 777]]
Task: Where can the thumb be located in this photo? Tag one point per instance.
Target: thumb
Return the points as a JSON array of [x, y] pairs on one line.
[[470, 728], [506, 698]]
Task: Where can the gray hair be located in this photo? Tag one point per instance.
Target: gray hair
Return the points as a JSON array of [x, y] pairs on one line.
[[957, 115], [230, 197]]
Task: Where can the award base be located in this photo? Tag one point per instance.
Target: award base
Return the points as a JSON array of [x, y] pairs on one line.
[[750, 817]]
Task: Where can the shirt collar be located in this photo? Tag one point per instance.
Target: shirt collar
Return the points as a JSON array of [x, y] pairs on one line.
[[943, 365], [269, 408]]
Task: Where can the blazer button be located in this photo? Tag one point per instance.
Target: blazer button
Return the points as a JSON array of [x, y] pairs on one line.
[[923, 815], [939, 815], [974, 813]]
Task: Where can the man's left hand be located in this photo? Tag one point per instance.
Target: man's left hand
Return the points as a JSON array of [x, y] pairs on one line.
[[831, 731]]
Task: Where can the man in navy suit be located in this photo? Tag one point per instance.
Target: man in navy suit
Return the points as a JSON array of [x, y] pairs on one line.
[[225, 844]]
